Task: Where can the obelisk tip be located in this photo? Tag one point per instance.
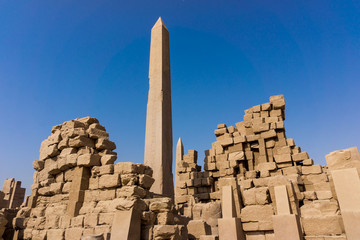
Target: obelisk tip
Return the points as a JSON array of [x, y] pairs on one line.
[[159, 22]]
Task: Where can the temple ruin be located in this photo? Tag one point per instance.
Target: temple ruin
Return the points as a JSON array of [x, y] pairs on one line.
[[256, 183]]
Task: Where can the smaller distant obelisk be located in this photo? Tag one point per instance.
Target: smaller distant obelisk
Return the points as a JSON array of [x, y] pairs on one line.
[[179, 158], [158, 136]]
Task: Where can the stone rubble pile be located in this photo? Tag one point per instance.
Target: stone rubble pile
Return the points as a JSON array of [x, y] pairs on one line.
[[256, 185], [11, 198], [254, 158], [78, 190], [192, 182]]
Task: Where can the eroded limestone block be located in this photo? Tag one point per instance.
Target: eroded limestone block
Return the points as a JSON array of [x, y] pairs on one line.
[[196, 228], [322, 225], [126, 225]]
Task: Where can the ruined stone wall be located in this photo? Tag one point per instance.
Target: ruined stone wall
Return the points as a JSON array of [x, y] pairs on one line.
[[11, 197], [78, 191], [271, 186], [254, 157]]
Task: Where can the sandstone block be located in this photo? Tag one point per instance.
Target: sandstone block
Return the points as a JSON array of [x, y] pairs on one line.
[[196, 228], [261, 127], [71, 160], [257, 213], [283, 158], [267, 166], [226, 142], [109, 181], [347, 158], [44, 191], [129, 179], [88, 160], [106, 169], [126, 167], [38, 165], [103, 143], [106, 218], [97, 131], [81, 141], [287, 227], [161, 204], [73, 233], [314, 169], [278, 102], [236, 156], [310, 195], [297, 157], [77, 221], [268, 134], [87, 121], [324, 195], [146, 181], [164, 218], [308, 162], [322, 225], [319, 208], [108, 159], [128, 191], [91, 220], [55, 188], [165, 231], [126, 225], [38, 234], [219, 132], [55, 234]]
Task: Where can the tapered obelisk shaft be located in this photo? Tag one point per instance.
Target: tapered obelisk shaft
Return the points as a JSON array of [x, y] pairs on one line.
[[158, 136], [179, 158]]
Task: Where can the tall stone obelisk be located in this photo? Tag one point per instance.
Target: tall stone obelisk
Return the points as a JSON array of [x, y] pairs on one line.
[[158, 136]]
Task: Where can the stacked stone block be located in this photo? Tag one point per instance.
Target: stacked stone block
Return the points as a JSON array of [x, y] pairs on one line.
[[255, 157], [12, 194], [192, 183], [258, 143], [78, 191]]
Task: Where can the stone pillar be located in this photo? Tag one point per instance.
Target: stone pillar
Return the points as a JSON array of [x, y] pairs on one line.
[[7, 189], [347, 187], [179, 158], [80, 183], [158, 136], [17, 195], [229, 225], [286, 225], [126, 225]]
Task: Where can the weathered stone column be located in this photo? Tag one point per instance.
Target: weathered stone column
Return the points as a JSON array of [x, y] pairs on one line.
[[347, 187], [80, 183], [158, 136], [179, 158], [229, 225], [286, 225]]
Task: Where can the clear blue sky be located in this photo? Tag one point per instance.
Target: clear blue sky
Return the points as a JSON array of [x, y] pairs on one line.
[[60, 60]]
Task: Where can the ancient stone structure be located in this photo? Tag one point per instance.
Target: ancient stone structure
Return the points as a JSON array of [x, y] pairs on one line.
[[256, 184], [79, 191], [158, 137], [11, 197], [12, 194], [278, 192]]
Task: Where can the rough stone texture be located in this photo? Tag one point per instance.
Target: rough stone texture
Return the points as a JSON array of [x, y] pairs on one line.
[[85, 200], [158, 136], [255, 180], [347, 187]]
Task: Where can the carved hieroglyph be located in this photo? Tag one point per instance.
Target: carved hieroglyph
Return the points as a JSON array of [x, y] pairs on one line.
[[158, 138]]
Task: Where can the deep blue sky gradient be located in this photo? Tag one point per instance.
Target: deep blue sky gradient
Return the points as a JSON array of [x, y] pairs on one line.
[[60, 60]]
